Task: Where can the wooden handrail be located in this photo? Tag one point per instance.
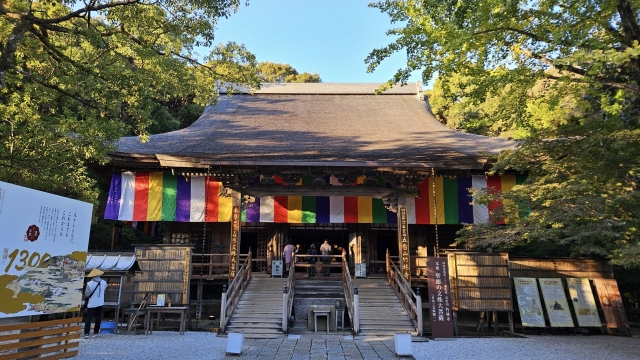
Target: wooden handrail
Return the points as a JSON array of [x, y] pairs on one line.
[[411, 302], [231, 296], [348, 288]]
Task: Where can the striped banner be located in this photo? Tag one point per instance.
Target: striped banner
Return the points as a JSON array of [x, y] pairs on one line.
[[146, 196]]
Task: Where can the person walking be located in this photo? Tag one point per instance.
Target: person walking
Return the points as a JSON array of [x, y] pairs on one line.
[[312, 260], [325, 250], [94, 293], [287, 255]]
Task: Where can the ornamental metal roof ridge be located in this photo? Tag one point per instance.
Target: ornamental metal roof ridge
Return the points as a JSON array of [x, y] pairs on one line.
[[324, 89]]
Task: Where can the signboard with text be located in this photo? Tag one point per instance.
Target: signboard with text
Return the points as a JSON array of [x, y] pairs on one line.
[[403, 234], [528, 301], [584, 305], [555, 302], [439, 297], [611, 302], [235, 239], [44, 250]]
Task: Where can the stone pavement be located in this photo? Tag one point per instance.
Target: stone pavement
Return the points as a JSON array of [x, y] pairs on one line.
[[316, 347]]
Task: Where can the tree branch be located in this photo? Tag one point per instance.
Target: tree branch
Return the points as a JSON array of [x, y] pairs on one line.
[[79, 99]]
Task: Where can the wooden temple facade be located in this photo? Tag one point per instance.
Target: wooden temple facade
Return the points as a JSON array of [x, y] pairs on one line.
[[304, 163]]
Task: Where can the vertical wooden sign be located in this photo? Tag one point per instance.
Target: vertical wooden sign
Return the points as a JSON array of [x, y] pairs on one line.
[[404, 243], [453, 281], [612, 306], [233, 247], [186, 275], [439, 297]]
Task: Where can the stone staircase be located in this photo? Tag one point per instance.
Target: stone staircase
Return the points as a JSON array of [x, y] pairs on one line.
[[259, 311], [381, 313]]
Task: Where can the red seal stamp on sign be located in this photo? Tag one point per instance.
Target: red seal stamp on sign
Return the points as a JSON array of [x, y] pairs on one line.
[[33, 232]]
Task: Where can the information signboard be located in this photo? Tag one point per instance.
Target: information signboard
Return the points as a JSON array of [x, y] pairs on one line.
[[529, 302], [440, 297], [44, 250], [235, 242], [276, 268], [611, 302], [555, 302], [584, 305], [361, 270], [404, 243]]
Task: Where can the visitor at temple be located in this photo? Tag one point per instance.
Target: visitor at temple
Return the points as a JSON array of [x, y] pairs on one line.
[[94, 297], [312, 260], [287, 254], [325, 250]]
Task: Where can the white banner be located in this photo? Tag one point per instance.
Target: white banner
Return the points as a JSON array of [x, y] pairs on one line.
[[584, 304], [44, 241], [555, 302], [529, 302]]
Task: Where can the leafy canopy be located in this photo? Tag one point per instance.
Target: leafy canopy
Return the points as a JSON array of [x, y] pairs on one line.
[[75, 76], [560, 76], [284, 73]]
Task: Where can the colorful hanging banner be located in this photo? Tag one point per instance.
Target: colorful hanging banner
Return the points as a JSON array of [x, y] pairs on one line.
[[584, 304], [555, 301], [144, 196], [528, 301]]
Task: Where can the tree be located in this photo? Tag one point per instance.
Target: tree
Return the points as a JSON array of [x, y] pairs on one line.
[[74, 77], [284, 73], [560, 76]]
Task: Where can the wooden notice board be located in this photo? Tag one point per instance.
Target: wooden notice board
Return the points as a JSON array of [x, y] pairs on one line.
[[611, 303], [440, 297], [165, 269], [482, 282]]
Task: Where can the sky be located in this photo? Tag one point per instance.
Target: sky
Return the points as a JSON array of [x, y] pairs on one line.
[[328, 37]]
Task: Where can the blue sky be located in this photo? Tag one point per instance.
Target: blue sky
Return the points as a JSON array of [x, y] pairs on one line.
[[328, 37]]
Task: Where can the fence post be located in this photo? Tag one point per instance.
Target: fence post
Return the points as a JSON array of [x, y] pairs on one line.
[[285, 302], [419, 310], [223, 308], [388, 261], [250, 264], [356, 311]]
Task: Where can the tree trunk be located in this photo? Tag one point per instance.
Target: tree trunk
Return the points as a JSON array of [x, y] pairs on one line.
[[10, 47], [631, 33]]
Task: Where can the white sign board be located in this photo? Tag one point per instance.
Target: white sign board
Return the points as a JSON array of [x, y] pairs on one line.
[[361, 270], [276, 268], [529, 302], [584, 304], [555, 302], [44, 250]]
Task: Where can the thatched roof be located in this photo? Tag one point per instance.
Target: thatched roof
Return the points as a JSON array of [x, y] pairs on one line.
[[305, 124]]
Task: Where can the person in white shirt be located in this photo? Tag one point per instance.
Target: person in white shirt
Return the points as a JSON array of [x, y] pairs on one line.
[[94, 293], [325, 250]]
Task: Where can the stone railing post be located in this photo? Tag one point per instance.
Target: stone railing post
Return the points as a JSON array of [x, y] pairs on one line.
[[356, 311], [419, 311], [223, 309], [285, 303]]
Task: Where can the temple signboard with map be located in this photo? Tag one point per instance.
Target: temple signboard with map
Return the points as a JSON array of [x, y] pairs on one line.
[[44, 245]]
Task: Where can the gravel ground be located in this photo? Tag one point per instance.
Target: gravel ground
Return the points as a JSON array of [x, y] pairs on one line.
[[202, 345]]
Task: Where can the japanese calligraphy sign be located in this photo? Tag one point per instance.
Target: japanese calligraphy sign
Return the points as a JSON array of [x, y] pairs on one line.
[[611, 302], [555, 302], [439, 297], [235, 240], [453, 280], [529, 302], [44, 250], [584, 304], [403, 238]]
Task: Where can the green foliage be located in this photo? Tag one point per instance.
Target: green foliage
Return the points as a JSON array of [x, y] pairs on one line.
[[562, 78], [74, 77], [283, 73]]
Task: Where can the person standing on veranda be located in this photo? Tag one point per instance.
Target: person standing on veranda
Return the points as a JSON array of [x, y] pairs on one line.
[[312, 260], [94, 294], [326, 250], [287, 255]]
